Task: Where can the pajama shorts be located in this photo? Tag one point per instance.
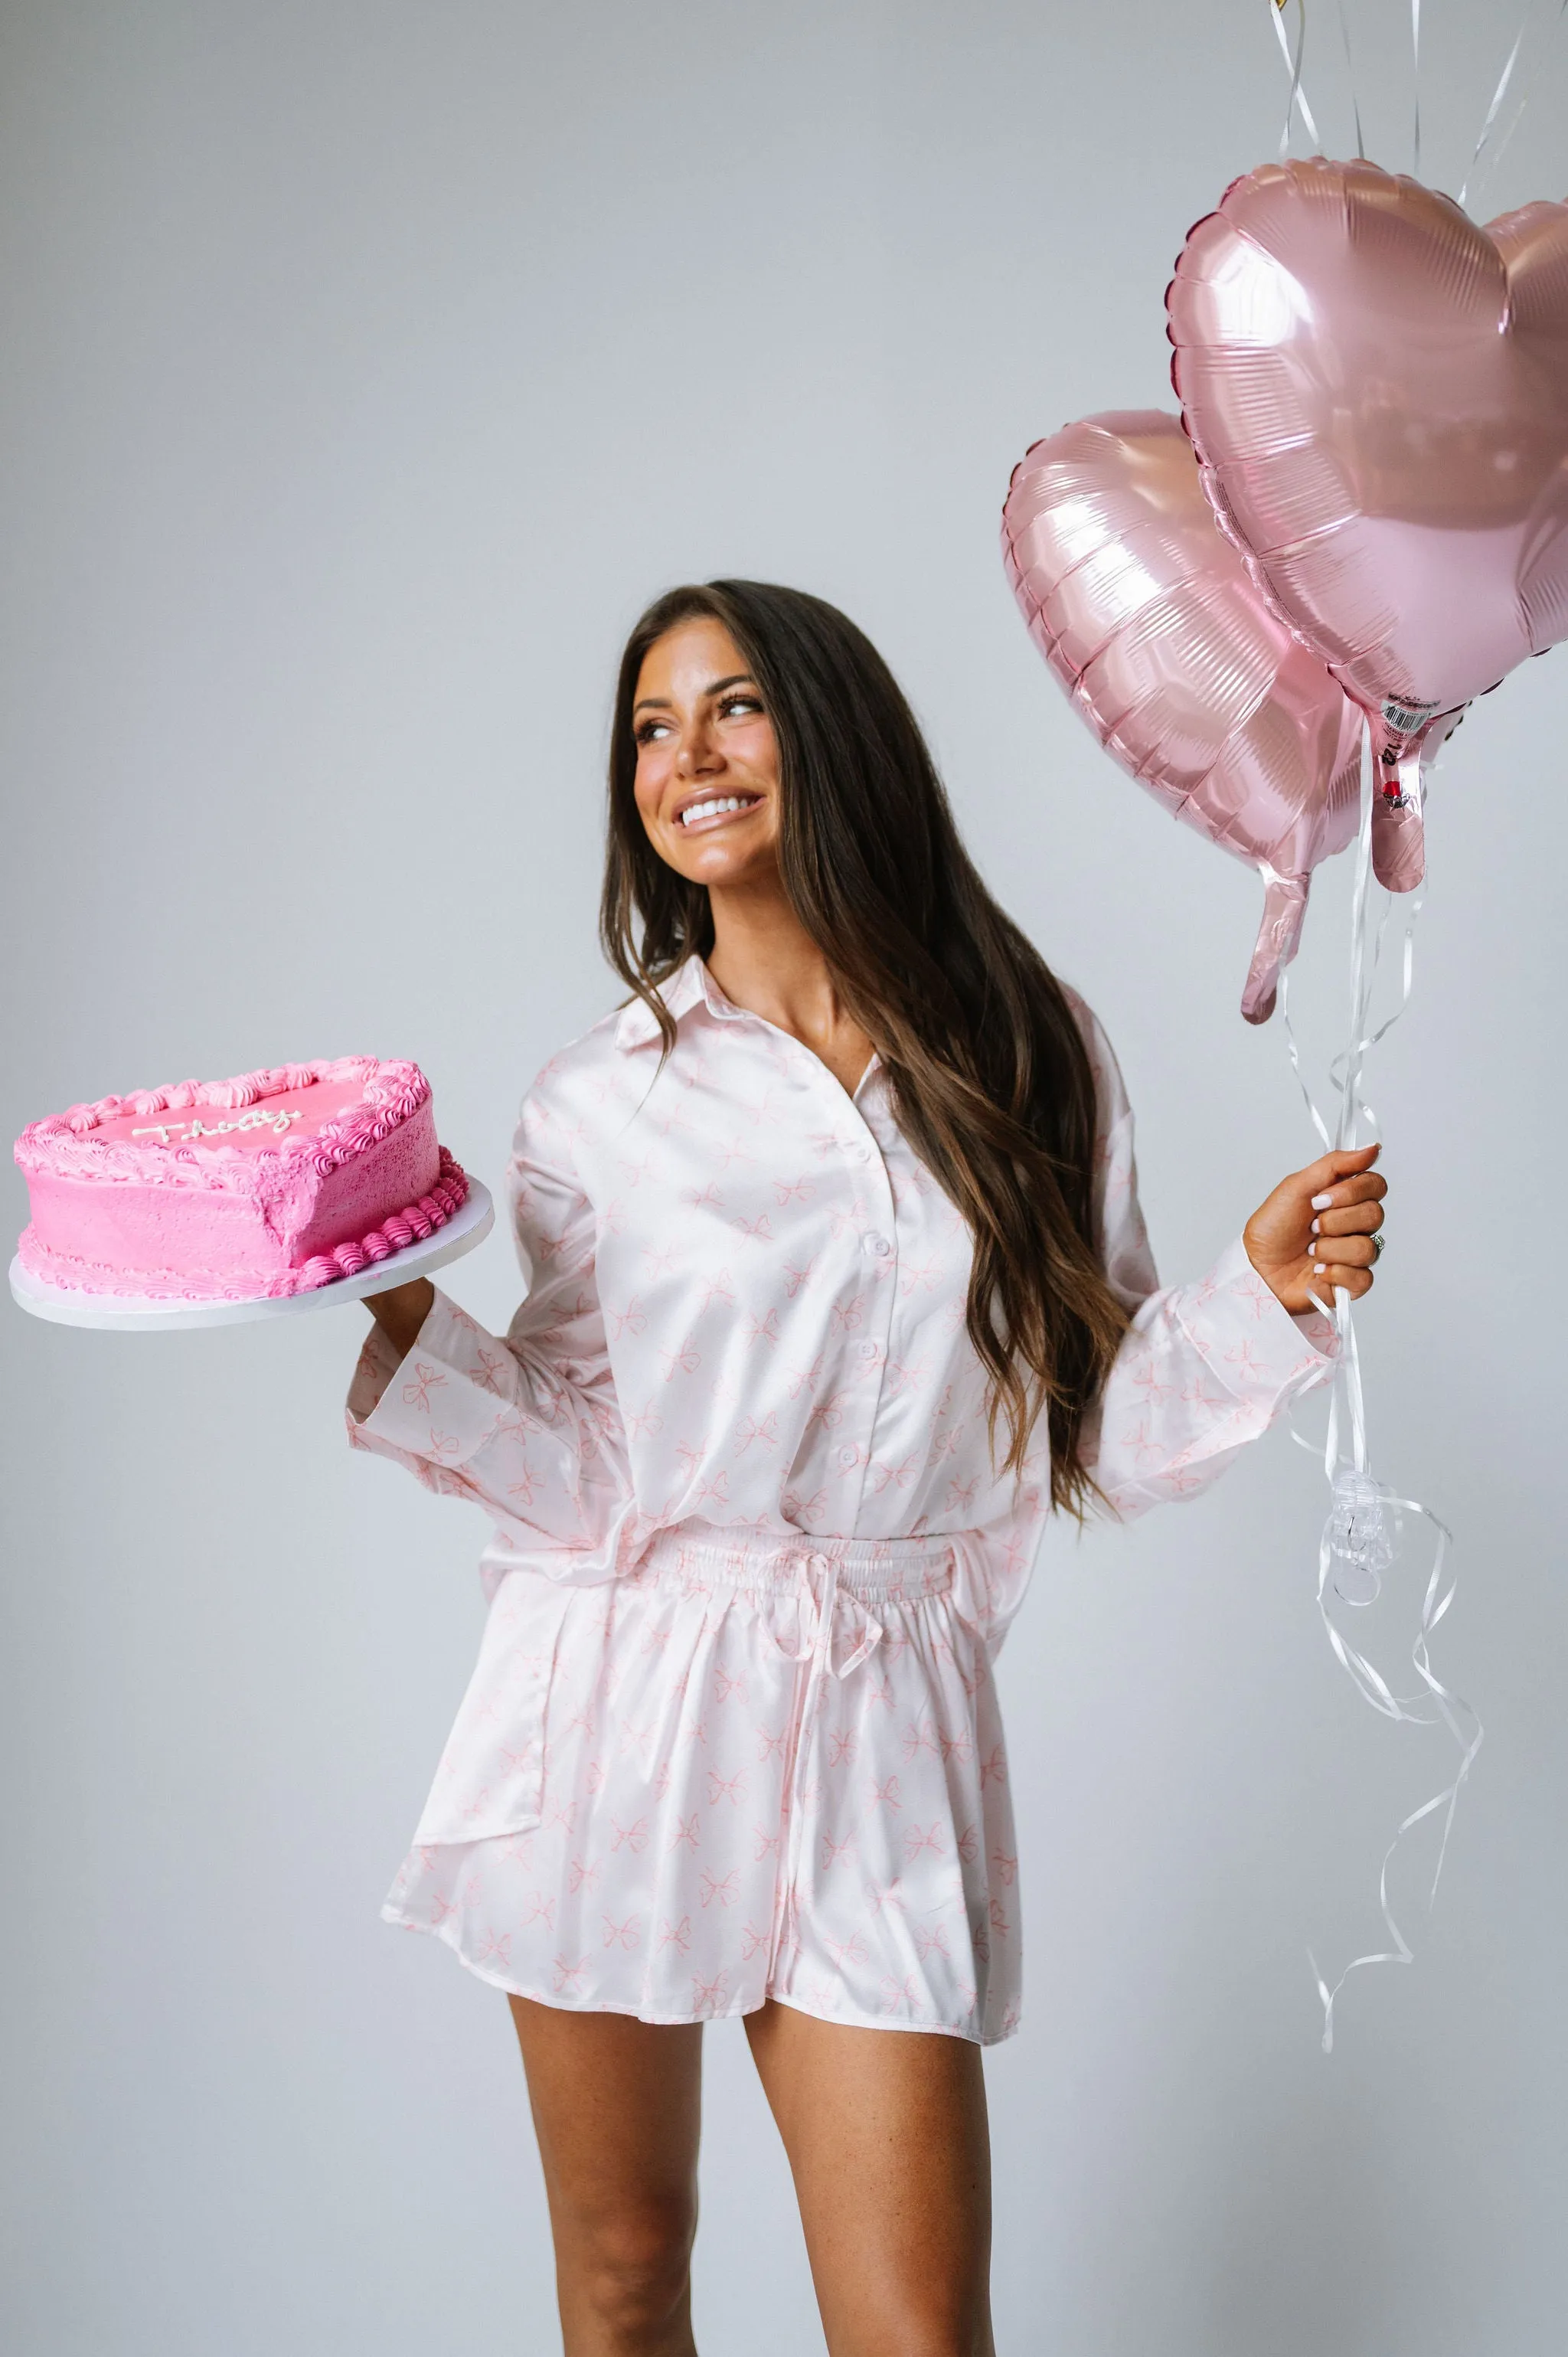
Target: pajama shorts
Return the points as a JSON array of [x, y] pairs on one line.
[[741, 1771]]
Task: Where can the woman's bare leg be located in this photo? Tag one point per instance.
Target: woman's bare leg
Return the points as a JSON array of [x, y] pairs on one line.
[[615, 2107], [887, 2135]]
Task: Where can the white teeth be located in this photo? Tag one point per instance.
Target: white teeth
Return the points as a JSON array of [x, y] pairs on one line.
[[716, 807]]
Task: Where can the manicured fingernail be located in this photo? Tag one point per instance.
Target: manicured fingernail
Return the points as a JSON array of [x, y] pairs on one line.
[[1321, 1202], [1319, 1268], [1314, 1227]]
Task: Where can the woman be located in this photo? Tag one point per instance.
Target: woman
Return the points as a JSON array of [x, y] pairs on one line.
[[837, 1285]]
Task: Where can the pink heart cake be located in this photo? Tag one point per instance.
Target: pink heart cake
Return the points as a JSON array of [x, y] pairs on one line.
[[233, 1191]]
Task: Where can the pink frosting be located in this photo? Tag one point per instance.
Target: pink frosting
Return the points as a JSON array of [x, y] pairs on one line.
[[93, 1140], [288, 1113], [412, 1224], [238, 1211]]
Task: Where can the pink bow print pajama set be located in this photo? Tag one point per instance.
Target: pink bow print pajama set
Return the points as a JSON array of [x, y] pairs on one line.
[[733, 1733]]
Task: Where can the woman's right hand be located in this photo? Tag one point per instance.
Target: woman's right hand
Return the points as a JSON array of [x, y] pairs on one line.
[[402, 1310]]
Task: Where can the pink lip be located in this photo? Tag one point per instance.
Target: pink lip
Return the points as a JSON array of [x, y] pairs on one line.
[[718, 818]]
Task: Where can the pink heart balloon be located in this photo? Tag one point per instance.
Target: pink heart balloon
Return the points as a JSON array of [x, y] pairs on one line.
[[1145, 613], [1378, 390]]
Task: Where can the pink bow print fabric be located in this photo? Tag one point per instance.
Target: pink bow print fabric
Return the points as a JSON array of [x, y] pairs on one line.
[[733, 1732]]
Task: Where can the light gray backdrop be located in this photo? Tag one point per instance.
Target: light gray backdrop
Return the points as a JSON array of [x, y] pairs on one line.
[[366, 367]]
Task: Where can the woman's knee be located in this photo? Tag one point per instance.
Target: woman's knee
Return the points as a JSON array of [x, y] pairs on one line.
[[633, 2264]]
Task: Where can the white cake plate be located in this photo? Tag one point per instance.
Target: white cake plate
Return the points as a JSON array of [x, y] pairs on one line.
[[467, 1227]]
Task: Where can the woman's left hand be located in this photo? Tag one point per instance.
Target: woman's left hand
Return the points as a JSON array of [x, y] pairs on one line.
[[1316, 1230]]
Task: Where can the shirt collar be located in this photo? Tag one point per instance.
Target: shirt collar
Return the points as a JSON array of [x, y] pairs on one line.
[[689, 986]]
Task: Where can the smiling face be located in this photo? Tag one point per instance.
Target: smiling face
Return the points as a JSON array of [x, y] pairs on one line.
[[708, 759]]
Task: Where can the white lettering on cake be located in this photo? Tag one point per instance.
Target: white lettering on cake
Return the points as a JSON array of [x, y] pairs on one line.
[[183, 1132]]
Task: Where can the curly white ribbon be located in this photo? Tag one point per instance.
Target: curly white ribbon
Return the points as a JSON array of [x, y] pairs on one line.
[[1296, 103], [1350, 71], [1362, 1536], [1501, 92]]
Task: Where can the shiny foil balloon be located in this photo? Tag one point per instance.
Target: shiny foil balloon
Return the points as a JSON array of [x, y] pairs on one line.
[[1146, 614], [1378, 390]]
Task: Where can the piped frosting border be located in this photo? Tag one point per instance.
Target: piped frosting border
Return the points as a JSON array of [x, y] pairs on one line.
[[413, 1224], [63, 1146]]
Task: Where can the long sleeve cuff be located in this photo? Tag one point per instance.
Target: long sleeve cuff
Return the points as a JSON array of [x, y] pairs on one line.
[[1259, 1350], [444, 1398], [1204, 1369]]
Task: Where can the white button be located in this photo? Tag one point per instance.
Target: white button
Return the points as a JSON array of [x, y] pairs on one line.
[[877, 1246], [848, 1457], [859, 1151], [871, 1350]]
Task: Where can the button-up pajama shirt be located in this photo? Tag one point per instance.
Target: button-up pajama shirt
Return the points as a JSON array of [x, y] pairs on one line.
[[733, 1733]]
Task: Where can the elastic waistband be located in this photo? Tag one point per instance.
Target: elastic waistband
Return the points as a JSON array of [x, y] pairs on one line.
[[870, 1568]]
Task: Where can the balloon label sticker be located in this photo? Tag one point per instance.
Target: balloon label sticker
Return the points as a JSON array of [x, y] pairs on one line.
[[1407, 717]]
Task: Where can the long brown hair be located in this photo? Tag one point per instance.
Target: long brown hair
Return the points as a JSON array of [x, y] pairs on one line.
[[991, 1082]]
